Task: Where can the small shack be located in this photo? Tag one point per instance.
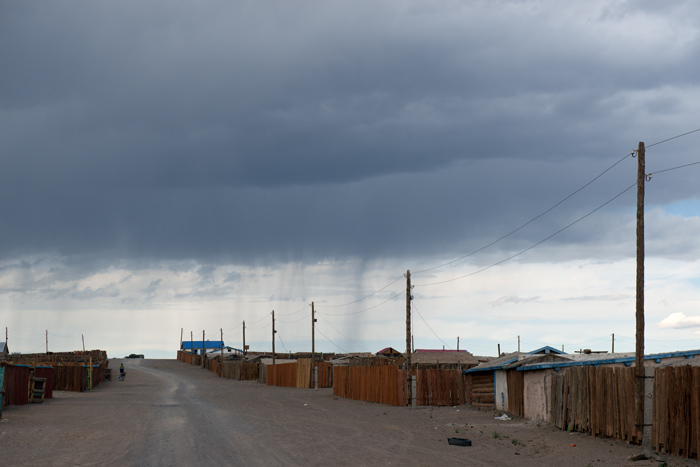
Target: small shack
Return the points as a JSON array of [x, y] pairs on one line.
[[389, 352], [491, 384], [202, 347]]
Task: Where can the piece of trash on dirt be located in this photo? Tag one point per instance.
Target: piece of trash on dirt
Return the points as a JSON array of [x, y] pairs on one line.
[[502, 417], [459, 441], [572, 445]]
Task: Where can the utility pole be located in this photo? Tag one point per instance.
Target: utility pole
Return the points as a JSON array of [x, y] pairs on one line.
[[408, 319], [182, 330], [313, 334], [191, 348], [518, 343], [47, 341], [222, 350], [613, 343], [457, 343], [409, 380], [244, 346], [499, 351], [314, 369], [203, 363], [640, 376], [83, 336], [273, 336]]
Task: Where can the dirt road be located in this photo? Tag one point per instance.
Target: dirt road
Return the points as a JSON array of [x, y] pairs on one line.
[[167, 413]]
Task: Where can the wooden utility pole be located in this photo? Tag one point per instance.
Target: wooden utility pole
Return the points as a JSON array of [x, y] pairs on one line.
[[191, 347], [244, 346], [409, 378], [182, 330], [47, 341], [457, 343], [499, 351], [613, 343], [273, 336], [408, 319], [83, 336], [222, 349], [313, 334], [203, 363], [639, 350], [518, 343]]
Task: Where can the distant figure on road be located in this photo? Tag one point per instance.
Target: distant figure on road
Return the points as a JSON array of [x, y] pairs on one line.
[[121, 369]]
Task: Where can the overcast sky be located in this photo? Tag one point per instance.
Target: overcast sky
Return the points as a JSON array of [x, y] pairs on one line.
[[171, 165]]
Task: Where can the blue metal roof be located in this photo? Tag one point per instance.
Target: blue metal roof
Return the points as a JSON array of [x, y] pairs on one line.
[[507, 361], [189, 345], [546, 350], [602, 361]]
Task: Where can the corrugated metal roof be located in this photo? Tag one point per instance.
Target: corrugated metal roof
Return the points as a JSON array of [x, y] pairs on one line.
[[198, 345], [596, 359]]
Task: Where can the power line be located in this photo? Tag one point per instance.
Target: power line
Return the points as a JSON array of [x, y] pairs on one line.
[[366, 309], [534, 245], [294, 320], [673, 137], [673, 168], [281, 342], [431, 329], [528, 222], [294, 313], [363, 298], [319, 331], [338, 331]]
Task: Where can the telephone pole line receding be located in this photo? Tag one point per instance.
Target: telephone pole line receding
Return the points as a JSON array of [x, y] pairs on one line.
[[408, 319], [273, 336], [313, 334], [640, 374], [245, 347]]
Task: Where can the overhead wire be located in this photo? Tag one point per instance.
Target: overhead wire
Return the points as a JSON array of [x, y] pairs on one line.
[[295, 312], [326, 337], [282, 342], [361, 311], [672, 138], [534, 245], [674, 168], [528, 222], [413, 306], [338, 331], [365, 297], [294, 320]]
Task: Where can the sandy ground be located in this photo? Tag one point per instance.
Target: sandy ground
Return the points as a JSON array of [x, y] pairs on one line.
[[170, 413]]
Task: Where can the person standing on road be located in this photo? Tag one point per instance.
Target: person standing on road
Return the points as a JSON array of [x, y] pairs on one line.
[[121, 369]]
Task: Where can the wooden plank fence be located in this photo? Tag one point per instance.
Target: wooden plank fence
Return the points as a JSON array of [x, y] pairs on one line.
[[282, 374], [240, 371], [383, 384], [676, 425], [439, 387], [596, 400], [325, 375]]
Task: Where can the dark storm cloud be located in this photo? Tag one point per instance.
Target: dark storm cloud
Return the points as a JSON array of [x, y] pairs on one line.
[[271, 131]]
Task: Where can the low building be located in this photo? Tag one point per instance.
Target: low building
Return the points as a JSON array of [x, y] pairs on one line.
[[487, 383], [4, 352], [202, 347], [389, 352]]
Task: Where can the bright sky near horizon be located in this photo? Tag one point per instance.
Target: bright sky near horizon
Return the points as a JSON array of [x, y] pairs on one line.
[[172, 165]]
